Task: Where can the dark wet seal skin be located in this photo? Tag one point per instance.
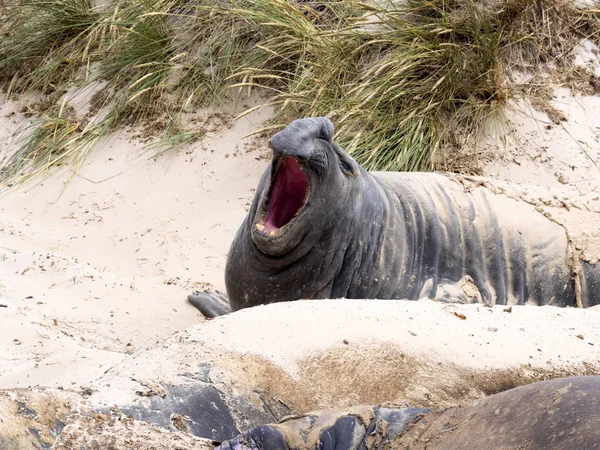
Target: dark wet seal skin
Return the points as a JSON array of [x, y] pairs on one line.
[[557, 414], [322, 227], [211, 304], [359, 428]]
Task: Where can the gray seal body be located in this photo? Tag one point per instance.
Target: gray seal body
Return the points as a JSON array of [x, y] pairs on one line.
[[322, 227], [557, 414]]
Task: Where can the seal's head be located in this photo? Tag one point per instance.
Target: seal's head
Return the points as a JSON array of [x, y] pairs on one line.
[[308, 172]]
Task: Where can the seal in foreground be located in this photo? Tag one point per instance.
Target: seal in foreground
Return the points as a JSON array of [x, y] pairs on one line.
[[322, 227], [557, 414]]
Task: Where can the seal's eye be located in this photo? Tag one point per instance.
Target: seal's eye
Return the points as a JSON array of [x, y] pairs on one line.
[[346, 167]]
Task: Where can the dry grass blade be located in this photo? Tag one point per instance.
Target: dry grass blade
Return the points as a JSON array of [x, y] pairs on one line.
[[58, 141]]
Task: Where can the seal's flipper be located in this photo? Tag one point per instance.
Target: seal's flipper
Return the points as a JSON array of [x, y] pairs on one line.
[[211, 304], [329, 430], [463, 291]]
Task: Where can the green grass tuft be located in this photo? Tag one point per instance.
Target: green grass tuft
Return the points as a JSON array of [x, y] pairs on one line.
[[57, 139], [46, 42], [408, 84]]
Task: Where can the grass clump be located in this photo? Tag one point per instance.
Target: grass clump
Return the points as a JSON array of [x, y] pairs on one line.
[[408, 84], [45, 42], [399, 82], [138, 61], [56, 139], [438, 76], [411, 84]]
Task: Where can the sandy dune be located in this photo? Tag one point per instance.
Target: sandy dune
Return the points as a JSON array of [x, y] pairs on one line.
[[96, 265], [531, 148]]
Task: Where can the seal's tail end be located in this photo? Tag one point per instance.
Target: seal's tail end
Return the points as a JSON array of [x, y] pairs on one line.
[[210, 304]]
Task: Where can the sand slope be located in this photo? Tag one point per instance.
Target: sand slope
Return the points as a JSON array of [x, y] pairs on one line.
[[96, 265]]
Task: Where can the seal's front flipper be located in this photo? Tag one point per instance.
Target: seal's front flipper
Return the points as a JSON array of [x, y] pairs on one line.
[[211, 304], [463, 291]]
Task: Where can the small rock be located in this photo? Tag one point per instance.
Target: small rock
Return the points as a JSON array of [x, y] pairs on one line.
[[86, 391], [460, 315], [580, 336], [153, 389], [345, 341], [180, 422], [508, 310]]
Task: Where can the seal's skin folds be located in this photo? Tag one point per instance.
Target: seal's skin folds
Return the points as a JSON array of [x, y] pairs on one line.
[[322, 227]]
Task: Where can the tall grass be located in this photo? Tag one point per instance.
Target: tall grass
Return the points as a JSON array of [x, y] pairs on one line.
[[407, 83], [437, 75], [54, 141], [45, 42]]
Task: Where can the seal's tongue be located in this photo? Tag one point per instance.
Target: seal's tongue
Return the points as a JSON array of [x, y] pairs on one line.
[[288, 194]]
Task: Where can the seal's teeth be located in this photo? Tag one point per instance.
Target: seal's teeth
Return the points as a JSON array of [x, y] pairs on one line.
[[260, 226], [272, 233]]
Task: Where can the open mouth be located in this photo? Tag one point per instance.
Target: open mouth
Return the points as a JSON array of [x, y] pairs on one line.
[[289, 189]]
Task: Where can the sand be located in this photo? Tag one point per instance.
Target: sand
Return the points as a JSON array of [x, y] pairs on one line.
[[96, 264], [340, 353], [532, 149], [244, 369], [553, 143]]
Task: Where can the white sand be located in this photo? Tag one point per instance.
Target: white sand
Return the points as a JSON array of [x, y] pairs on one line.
[[532, 149], [96, 265]]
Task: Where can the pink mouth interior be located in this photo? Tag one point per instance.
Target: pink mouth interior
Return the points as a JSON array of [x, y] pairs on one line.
[[288, 194]]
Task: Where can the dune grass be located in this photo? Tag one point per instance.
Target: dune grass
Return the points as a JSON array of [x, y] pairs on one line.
[[407, 84], [45, 43]]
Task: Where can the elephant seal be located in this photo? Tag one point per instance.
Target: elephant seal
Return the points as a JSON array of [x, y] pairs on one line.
[[322, 227], [556, 414]]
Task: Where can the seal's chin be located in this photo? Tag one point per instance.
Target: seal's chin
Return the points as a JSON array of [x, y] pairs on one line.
[[287, 196]]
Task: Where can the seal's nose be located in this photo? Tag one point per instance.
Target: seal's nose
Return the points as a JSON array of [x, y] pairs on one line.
[[299, 138]]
